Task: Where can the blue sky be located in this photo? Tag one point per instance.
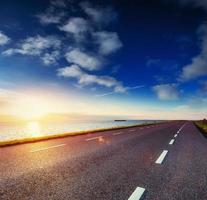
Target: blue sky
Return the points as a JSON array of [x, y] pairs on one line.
[[140, 59]]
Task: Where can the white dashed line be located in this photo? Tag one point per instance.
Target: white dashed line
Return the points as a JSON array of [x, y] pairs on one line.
[[94, 138], [161, 157], [175, 135], [132, 130], [172, 141], [181, 128], [137, 194], [118, 133], [46, 148]]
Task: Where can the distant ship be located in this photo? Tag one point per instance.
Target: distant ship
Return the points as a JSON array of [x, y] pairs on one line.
[[120, 120]]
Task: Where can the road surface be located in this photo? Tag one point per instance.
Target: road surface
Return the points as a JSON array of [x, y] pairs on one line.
[[158, 162]]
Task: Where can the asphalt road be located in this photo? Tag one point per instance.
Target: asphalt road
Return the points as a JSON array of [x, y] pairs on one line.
[[120, 164]]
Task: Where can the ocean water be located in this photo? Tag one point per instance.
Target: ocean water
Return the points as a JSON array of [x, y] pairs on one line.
[[11, 131]]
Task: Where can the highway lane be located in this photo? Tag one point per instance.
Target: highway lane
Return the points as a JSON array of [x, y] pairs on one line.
[[184, 175], [108, 165], [17, 159]]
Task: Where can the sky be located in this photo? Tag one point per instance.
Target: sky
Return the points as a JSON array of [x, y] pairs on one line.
[[136, 59]]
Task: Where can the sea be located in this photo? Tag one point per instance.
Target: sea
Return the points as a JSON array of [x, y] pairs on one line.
[[32, 129]]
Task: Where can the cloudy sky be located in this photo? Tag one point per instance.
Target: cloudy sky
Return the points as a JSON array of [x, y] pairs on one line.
[[140, 59]]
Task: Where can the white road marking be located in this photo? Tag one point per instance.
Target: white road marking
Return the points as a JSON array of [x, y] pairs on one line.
[[161, 157], [172, 141], [94, 138], [175, 135], [137, 194], [118, 133], [46, 148], [132, 130], [181, 128]]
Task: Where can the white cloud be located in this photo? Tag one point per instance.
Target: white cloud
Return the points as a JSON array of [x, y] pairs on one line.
[[49, 18], [99, 15], [3, 39], [76, 26], [50, 58], [120, 90], [38, 46], [71, 71], [166, 91], [8, 52], [85, 60], [34, 45], [108, 42], [198, 66], [85, 79], [196, 69], [53, 14], [58, 3]]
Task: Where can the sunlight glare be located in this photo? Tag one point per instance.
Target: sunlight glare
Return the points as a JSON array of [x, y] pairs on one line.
[[33, 129]]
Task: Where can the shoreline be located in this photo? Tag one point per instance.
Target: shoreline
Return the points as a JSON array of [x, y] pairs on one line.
[[62, 135]]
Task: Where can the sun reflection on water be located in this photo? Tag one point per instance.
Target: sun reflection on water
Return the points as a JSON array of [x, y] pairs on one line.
[[33, 129]]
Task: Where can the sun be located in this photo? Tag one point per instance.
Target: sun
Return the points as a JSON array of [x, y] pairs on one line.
[[33, 128]]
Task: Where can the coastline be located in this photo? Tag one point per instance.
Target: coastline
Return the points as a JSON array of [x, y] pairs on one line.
[[71, 134]]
